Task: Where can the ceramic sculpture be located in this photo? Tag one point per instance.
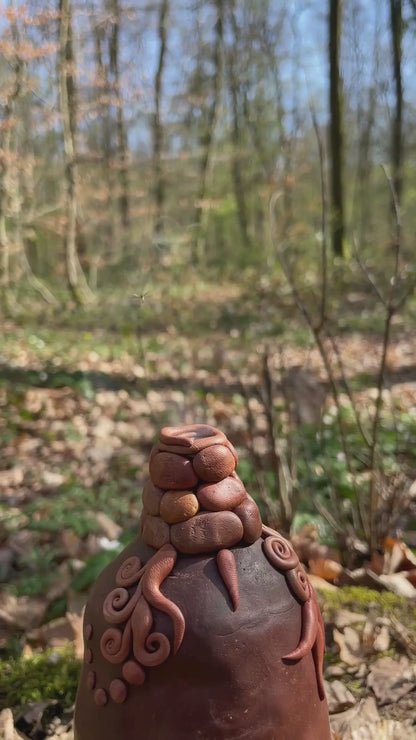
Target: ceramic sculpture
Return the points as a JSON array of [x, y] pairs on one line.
[[206, 626]]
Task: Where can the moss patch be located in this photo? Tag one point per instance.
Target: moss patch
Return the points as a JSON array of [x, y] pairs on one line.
[[51, 675]]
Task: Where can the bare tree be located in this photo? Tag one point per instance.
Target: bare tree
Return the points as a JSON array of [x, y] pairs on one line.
[[335, 129], [12, 93], [159, 183], [207, 136], [236, 132], [67, 96], [396, 25], [122, 157]]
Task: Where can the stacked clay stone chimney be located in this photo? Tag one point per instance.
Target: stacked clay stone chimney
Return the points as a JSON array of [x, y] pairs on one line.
[[194, 498], [206, 625]]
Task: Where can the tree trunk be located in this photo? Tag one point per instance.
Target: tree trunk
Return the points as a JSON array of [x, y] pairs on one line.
[[4, 171], [107, 231], [335, 129], [207, 140], [7, 115], [159, 183], [67, 94], [236, 170], [122, 158], [396, 21]]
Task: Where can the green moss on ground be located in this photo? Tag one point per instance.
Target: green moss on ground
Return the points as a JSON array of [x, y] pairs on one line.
[[359, 599], [51, 675]]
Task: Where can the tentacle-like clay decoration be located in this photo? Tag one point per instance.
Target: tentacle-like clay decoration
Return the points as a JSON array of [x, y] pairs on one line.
[[309, 631], [228, 571], [161, 566], [318, 649], [281, 555], [148, 649]]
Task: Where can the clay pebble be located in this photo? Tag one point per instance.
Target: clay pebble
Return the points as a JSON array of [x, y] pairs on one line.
[[249, 515], [151, 497], [214, 463], [224, 495], [207, 532], [172, 472], [155, 531], [178, 506]]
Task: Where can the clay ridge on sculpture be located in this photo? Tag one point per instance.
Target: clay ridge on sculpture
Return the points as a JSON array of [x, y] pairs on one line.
[[193, 504]]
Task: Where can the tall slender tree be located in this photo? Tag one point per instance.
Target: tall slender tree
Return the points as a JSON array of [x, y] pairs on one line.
[[11, 94], [234, 88], [122, 156], [207, 134], [159, 181], [396, 25], [336, 129], [68, 105]]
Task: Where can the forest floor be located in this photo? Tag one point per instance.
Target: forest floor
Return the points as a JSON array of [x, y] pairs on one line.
[[82, 396]]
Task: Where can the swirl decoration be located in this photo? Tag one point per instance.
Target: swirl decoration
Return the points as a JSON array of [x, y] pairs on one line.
[[149, 649], [298, 583], [281, 555], [115, 644], [129, 572], [135, 645]]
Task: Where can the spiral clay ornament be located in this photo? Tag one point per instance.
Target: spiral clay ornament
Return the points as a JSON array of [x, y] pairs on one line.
[[201, 540]]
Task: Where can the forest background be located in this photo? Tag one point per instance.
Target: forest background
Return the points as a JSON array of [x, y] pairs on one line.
[[207, 213]]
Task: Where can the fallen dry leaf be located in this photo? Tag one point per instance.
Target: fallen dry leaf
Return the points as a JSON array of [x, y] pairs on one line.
[[31, 719], [7, 728], [384, 729], [56, 633], [76, 622], [364, 713], [339, 698], [391, 679], [321, 584], [23, 613], [397, 556], [399, 584], [376, 636], [344, 618], [361, 577], [325, 568], [349, 643]]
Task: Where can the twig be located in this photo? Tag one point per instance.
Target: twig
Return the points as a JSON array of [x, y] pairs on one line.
[[283, 478], [390, 308], [347, 388], [317, 331], [256, 460]]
